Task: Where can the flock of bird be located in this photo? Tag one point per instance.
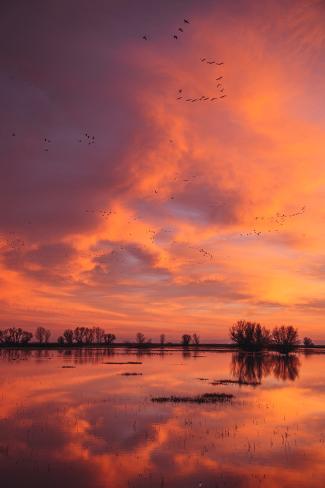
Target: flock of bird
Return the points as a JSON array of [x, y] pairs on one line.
[[175, 36], [279, 219], [17, 243], [202, 98], [85, 138]]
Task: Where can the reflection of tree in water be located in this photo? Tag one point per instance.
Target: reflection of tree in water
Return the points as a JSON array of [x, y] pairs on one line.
[[253, 367]]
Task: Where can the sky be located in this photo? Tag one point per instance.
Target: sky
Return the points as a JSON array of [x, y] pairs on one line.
[[146, 211]]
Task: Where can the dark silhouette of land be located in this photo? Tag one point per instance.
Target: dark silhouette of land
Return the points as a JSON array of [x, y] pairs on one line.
[[245, 336]]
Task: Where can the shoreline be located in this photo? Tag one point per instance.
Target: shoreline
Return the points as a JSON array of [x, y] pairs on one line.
[[218, 346]]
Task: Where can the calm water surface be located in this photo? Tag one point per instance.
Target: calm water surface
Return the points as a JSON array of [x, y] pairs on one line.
[[88, 426]]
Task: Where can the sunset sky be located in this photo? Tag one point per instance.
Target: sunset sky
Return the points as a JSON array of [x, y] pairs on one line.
[[178, 216]]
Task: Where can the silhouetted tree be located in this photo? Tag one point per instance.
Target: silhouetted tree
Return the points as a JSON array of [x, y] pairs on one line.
[[186, 339], [26, 337], [162, 339], [15, 335], [99, 334], [68, 336], [47, 335], [42, 335], [250, 335], [308, 342], [140, 338], [196, 339], [61, 340], [39, 334], [285, 338], [89, 335], [79, 334], [109, 339]]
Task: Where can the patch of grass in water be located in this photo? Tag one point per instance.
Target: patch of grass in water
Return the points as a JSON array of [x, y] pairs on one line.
[[205, 398], [235, 382], [131, 374], [128, 362]]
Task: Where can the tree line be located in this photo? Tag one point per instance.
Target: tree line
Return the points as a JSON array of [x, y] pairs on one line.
[[249, 336], [252, 336]]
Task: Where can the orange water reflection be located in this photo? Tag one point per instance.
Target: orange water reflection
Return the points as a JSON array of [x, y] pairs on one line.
[[88, 426]]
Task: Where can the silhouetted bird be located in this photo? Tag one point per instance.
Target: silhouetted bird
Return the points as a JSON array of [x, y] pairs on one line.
[[145, 38], [186, 21], [223, 96], [219, 64], [203, 59], [220, 78], [180, 29], [13, 134], [175, 37]]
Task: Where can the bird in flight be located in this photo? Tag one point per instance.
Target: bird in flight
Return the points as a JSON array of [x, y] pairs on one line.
[[220, 78], [202, 60], [145, 38], [175, 36], [186, 21], [180, 29], [219, 64], [223, 96]]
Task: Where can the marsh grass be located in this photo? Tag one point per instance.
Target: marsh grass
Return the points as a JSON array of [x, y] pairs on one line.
[[235, 382], [205, 398], [128, 362], [131, 374]]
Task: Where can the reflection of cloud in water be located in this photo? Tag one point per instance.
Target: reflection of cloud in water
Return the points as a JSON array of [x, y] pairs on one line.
[[86, 427]]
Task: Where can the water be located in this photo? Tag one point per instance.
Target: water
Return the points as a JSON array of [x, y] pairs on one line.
[[89, 426]]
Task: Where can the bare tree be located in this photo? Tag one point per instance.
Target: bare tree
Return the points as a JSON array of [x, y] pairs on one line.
[[308, 342], [250, 335], [26, 337], [47, 335], [196, 339], [109, 339], [39, 334], [68, 335], [61, 340], [89, 335], [186, 339], [285, 338], [79, 334], [99, 334], [15, 335], [140, 338], [162, 339]]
